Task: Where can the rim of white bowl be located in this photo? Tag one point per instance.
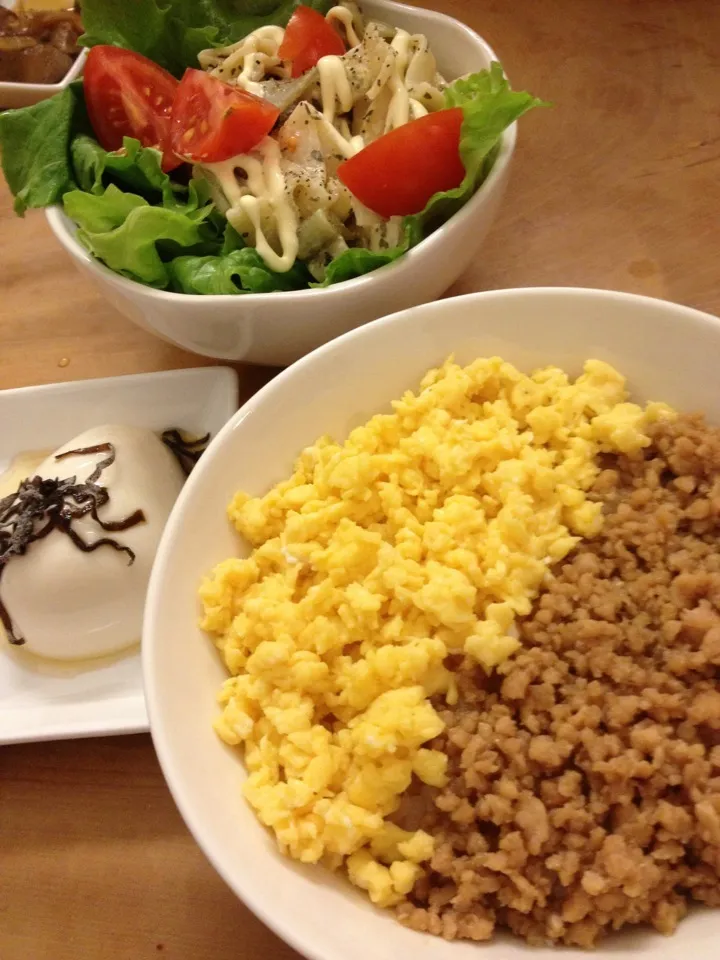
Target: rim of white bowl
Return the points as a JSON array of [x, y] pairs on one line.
[[167, 757], [48, 89], [59, 221]]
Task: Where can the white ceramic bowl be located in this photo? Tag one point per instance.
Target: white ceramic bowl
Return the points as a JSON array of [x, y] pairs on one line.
[[13, 95], [280, 327], [668, 352]]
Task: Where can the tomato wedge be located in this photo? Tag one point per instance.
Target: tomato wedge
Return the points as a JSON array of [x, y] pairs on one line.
[[213, 121], [397, 174], [308, 37], [128, 95]]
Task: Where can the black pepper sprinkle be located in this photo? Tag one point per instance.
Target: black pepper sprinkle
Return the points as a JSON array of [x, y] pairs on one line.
[[40, 506]]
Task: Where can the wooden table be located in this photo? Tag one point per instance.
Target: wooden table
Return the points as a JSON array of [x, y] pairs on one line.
[[618, 186]]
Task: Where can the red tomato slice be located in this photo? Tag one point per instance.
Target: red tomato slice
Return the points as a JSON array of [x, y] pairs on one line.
[[128, 95], [309, 37], [213, 121], [397, 174]]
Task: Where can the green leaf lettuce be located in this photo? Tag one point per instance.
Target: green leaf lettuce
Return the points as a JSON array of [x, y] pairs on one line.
[[135, 238], [133, 248], [35, 145], [134, 166], [241, 271]]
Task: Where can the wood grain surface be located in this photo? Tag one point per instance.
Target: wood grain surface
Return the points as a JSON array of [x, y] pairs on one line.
[[617, 186]]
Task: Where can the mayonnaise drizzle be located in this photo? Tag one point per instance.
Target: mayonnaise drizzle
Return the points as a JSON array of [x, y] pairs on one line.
[[255, 68], [335, 89], [337, 134], [245, 63], [263, 195], [344, 16], [399, 109]]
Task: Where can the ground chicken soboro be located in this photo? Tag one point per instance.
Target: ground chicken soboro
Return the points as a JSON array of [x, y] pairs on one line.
[[585, 776]]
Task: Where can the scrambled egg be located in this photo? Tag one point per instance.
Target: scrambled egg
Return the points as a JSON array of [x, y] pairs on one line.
[[426, 533]]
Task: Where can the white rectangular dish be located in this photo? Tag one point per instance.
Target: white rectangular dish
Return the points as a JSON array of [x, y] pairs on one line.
[[47, 700]]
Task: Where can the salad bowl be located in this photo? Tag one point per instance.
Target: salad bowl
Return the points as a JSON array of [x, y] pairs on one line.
[[278, 328]]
